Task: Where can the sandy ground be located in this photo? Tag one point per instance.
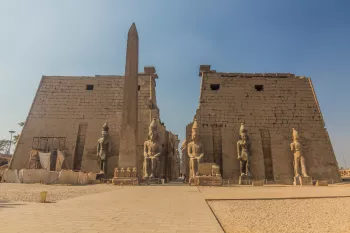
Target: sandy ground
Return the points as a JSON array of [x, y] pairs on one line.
[[31, 192], [289, 215]]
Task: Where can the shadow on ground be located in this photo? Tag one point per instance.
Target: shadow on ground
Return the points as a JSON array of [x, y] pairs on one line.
[[6, 204]]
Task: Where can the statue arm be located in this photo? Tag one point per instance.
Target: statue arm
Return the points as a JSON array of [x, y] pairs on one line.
[[159, 152], [145, 150], [238, 150], [189, 150], [98, 149], [109, 147], [291, 146]]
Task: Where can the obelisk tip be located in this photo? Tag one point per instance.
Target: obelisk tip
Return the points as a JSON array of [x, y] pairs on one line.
[[133, 29]]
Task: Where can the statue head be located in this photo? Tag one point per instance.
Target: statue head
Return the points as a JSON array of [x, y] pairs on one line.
[[105, 128], [195, 130], [153, 131], [295, 135]]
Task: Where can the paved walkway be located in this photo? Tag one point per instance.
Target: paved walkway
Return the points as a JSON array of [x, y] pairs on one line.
[[164, 208], [274, 192], [127, 209]]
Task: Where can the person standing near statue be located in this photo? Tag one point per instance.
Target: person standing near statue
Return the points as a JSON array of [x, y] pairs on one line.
[[299, 160], [243, 151], [104, 147]]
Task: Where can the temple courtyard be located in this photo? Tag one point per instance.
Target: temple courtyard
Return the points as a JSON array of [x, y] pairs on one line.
[[174, 207]]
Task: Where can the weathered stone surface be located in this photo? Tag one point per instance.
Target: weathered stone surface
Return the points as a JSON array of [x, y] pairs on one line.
[[10, 176], [29, 176], [322, 183], [125, 181], [245, 180], [74, 108], [269, 104], [205, 169], [302, 180], [207, 180], [258, 183]]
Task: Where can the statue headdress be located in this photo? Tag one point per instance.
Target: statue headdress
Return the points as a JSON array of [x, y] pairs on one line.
[[153, 125], [195, 126], [105, 128], [295, 134], [242, 129]]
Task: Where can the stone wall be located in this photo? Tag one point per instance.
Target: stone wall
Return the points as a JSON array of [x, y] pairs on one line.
[[270, 105], [67, 107]]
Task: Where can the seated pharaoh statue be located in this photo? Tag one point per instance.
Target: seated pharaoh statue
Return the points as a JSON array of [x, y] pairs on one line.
[[195, 151], [104, 149], [243, 152], [299, 160], [152, 151]]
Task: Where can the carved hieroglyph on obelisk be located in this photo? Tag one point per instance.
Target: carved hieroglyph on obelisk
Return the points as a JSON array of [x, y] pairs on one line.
[[128, 132]]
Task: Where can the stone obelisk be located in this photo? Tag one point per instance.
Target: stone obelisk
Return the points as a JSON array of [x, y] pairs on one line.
[[128, 133]]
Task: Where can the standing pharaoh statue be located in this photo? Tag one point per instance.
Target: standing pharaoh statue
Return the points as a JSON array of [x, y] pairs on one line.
[[243, 151], [152, 151], [104, 149], [195, 151], [299, 160]]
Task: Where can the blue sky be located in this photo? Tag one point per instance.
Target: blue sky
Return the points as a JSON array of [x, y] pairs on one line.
[[85, 37]]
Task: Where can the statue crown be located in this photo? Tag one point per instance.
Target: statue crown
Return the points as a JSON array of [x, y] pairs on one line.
[[194, 126], [242, 129], [295, 134], [105, 127], [153, 124]]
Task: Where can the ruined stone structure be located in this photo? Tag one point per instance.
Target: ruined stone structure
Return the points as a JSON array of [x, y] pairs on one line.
[[269, 105], [73, 109]]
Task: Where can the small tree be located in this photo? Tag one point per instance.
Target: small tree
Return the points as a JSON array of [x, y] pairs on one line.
[[16, 137], [4, 144]]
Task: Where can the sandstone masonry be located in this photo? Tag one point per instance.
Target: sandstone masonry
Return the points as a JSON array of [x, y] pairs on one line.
[[75, 108], [270, 105]]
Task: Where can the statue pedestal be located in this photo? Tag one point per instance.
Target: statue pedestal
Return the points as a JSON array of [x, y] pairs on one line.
[[245, 180], [258, 183], [125, 181], [322, 183], [302, 180], [100, 176], [149, 181], [125, 176], [207, 180]]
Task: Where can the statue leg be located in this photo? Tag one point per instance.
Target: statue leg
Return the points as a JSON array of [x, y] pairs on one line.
[[152, 168], [105, 162], [296, 165], [247, 168], [303, 167], [192, 168], [241, 167], [145, 170], [101, 165], [195, 166]]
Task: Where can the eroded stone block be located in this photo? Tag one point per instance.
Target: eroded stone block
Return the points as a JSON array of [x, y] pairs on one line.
[[258, 183], [322, 183]]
